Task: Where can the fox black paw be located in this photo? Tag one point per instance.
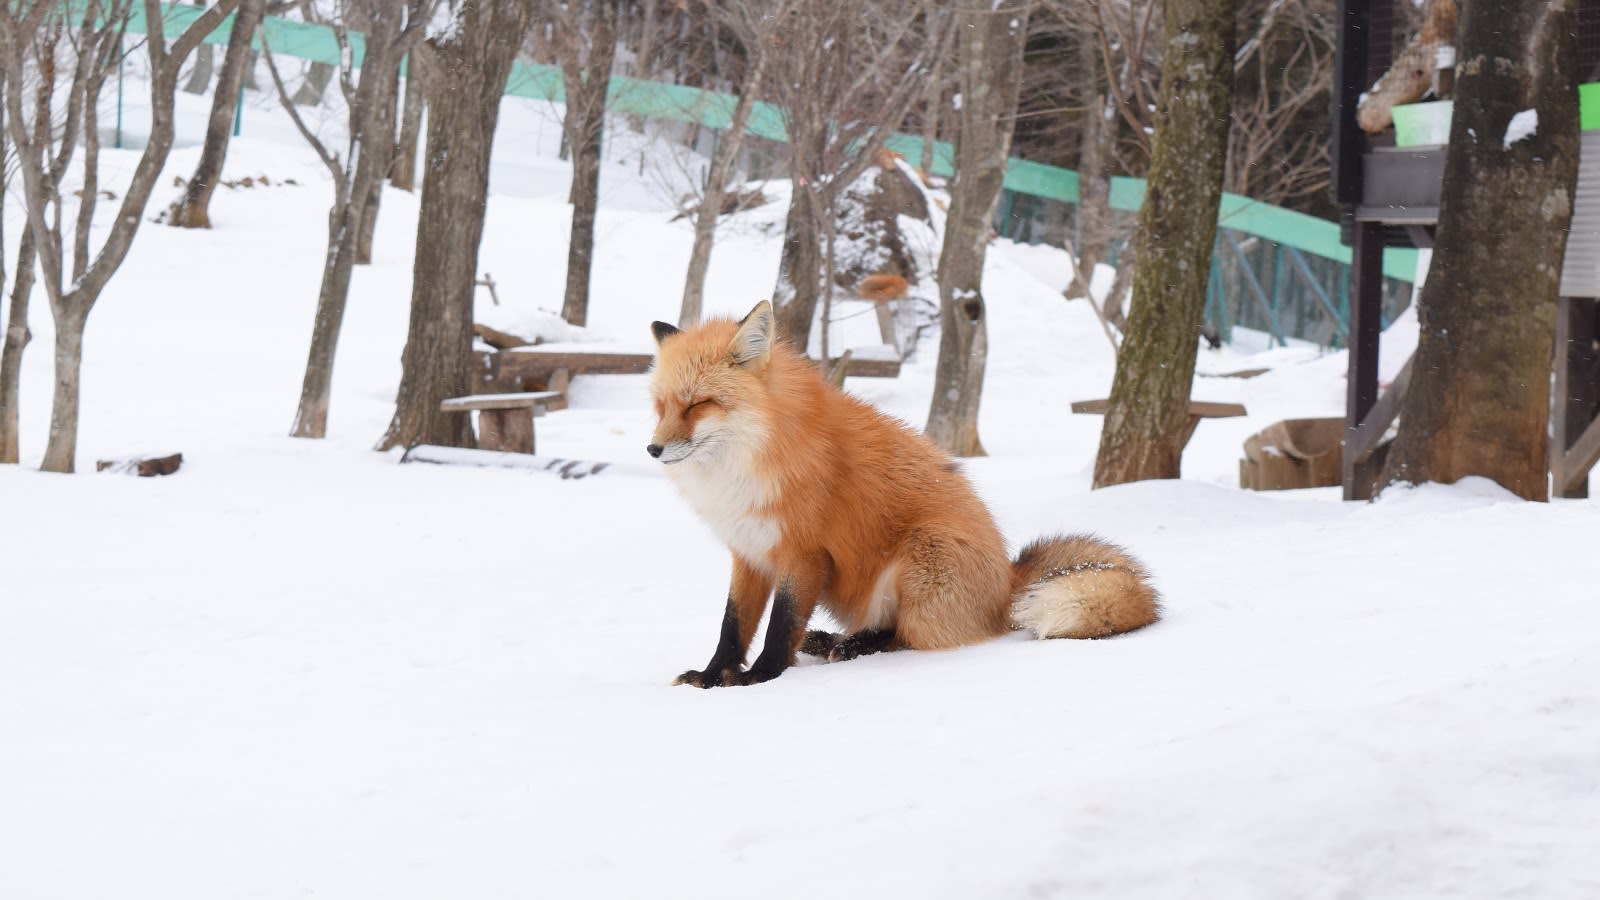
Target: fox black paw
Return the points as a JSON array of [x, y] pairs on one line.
[[754, 676], [860, 644], [709, 679], [820, 643]]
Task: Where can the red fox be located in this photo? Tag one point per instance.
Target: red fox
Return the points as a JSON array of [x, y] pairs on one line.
[[819, 495]]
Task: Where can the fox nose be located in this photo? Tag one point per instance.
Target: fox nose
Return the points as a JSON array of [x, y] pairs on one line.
[[654, 450]]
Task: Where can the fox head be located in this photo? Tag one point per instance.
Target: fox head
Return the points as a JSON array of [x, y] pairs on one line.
[[708, 385]]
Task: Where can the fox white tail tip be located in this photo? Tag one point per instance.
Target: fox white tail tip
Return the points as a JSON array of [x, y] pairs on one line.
[[1081, 587]]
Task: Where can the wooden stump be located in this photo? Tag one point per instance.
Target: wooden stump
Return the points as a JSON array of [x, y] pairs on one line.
[[142, 466]]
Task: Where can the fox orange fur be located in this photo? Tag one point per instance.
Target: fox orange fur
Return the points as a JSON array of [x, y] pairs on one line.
[[829, 502]]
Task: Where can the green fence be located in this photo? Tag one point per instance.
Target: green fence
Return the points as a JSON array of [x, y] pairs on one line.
[[1307, 235]]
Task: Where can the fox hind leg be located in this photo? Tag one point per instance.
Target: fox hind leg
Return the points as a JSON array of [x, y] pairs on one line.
[[863, 643]]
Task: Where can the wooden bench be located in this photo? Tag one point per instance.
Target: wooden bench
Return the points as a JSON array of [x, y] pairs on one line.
[[532, 369], [505, 421], [1198, 409]]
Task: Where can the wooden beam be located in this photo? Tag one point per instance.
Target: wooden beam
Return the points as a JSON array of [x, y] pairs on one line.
[[1201, 409], [1350, 79], [1581, 458], [1576, 395], [517, 400], [1361, 383], [1364, 439]]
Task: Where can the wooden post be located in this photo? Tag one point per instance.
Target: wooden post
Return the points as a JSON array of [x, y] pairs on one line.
[[1577, 391], [1366, 308], [506, 430]]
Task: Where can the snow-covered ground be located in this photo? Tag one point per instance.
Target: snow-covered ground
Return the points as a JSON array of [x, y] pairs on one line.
[[300, 669]]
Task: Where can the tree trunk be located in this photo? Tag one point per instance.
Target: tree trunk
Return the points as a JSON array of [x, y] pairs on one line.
[[310, 92], [16, 340], [469, 75], [316, 388], [378, 143], [403, 168], [799, 270], [1146, 423], [1094, 196], [200, 76], [990, 57], [1479, 397], [61, 451], [586, 97], [193, 209], [705, 221]]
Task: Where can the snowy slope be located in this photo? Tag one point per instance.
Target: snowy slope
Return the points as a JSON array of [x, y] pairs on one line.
[[299, 669]]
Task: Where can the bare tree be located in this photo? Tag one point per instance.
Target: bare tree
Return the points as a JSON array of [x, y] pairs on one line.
[[391, 28], [1145, 426], [193, 208], [756, 24], [72, 293], [468, 62], [17, 334], [845, 76], [1479, 397], [403, 168], [586, 46], [989, 60]]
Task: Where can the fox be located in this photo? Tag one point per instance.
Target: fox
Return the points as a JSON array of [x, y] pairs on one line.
[[824, 501]]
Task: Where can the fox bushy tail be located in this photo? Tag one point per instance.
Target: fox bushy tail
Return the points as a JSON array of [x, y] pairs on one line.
[[1080, 586]]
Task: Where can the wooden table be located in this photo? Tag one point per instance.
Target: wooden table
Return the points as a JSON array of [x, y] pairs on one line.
[[1198, 409], [505, 421]]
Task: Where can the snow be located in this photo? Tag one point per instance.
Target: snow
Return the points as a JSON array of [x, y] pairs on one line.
[[1523, 125], [298, 668]]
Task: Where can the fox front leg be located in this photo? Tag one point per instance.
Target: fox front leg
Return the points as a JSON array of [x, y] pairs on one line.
[[747, 599], [725, 661]]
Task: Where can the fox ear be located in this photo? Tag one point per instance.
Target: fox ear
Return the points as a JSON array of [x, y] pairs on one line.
[[662, 331], [752, 344]]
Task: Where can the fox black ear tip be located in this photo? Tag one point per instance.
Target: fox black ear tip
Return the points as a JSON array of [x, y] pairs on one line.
[[662, 330]]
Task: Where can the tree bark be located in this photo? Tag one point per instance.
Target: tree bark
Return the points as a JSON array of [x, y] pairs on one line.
[[1479, 397], [586, 86], [16, 341], [61, 452], [1145, 425], [380, 147], [800, 269], [311, 90], [193, 209], [705, 221], [403, 168], [469, 69], [200, 76], [990, 60]]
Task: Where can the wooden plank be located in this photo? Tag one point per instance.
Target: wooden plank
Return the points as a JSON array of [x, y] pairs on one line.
[[870, 367], [1361, 381], [506, 430], [1576, 395], [1584, 454], [1199, 409], [536, 366], [517, 400], [1360, 441]]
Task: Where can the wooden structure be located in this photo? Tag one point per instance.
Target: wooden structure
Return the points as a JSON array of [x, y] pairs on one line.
[[1390, 198], [1294, 453], [537, 369], [505, 421], [1198, 409]]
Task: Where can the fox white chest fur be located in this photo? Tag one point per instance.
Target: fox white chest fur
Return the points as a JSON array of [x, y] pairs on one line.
[[721, 482]]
